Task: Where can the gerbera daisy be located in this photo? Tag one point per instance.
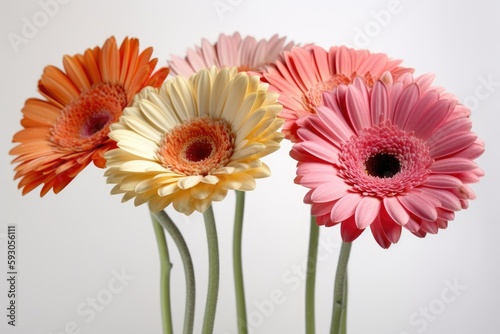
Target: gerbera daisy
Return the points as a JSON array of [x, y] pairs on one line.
[[397, 155], [192, 140], [306, 72], [247, 54], [68, 129]]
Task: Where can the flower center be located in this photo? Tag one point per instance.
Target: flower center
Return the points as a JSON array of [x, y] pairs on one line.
[[245, 68], [382, 165], [314, 96], [96, 123], [199, 149], [384, 161], [84, 123], [199, 146]]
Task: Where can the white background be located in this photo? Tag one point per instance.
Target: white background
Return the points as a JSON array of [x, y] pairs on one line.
[[70, 244]]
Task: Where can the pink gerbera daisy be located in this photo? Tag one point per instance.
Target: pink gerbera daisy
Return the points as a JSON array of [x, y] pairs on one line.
[[306, 72], [396, 155], [246, 54]]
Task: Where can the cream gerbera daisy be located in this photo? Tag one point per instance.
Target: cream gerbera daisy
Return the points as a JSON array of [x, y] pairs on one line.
[[191, 140]]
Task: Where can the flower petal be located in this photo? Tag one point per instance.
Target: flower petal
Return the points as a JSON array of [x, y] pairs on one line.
[[366, 211], [345, 207]]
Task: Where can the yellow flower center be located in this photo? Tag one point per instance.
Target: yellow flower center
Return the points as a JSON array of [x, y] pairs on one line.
[[198, 147], [84, 123]]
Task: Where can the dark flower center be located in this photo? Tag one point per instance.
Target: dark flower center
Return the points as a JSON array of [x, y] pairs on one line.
[[199, 150], [383, 165], [96, 123]]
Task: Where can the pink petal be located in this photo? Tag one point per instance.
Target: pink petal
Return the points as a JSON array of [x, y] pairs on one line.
[[434, 116], [366, 211], [452, 126], [330, 191], [472, 152], [349, 231], [310, 134], [452, 143], [209, 54], [419, 205], [425, 81], [321, 209], [407, 100], [180, 66], [343, 62], [396, 211], [453, 165], [324, 221], [412, 226], [357, 108], [295, 72], [445, 215], [195, 59], [320, 57], [443, 181], [429, 226], [429, 114], [394, 94], [470, 176], [335, 123], [345, 207], [226, 51], [315, 122], [303, 64], [311, 168], [448, 200], [442, 224], [317, 150], [314, 180], [379, 234], [282, 80], [376, 63], [392, 230], [379, 103]]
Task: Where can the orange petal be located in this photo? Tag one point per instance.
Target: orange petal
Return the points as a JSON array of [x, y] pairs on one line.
[[76, 72]]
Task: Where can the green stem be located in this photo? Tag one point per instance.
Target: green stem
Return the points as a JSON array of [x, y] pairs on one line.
[[340, 292], [312, 259], [213, 271], [176, 235], [237, 264], [165, 266], [343, 320]]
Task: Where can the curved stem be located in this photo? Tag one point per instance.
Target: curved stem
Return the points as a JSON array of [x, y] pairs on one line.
[[241, 311], [312, 259], [165, 266], [213, 271], [176, 235], [340, 292]]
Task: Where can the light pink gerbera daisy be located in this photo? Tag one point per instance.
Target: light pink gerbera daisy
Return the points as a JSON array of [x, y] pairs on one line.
[[246, 54], [305, 73], [396, 155]]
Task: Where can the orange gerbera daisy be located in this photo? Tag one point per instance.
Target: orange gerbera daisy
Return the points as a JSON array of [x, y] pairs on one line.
[[68, 129]]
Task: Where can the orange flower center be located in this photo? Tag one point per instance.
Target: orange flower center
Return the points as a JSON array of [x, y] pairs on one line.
[[314, 96], [84, 123], [198, 147], [244, 68]]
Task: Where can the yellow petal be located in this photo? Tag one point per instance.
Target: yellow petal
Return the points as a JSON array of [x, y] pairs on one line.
[[189, 181]]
